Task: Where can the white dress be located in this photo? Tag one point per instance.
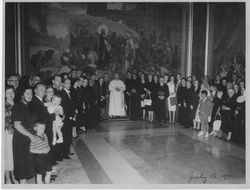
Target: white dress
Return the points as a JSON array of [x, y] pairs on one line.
[[9, 165], [171, 88], [116, 103]]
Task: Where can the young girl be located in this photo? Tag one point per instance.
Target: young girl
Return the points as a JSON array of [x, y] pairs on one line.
[[58, 122], [9, 130], [39, 147]]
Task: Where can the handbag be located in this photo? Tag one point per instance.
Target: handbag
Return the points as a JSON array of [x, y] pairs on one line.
[[148, 101], [217, 123], [173, 101]]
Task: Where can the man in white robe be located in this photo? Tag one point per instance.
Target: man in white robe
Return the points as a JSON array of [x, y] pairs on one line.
[[116, 103]]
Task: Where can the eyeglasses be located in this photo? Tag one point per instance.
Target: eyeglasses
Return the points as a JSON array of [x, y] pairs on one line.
[[49, 91]]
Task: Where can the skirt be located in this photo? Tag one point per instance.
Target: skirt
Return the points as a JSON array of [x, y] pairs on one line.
[[9, 164], [171, 107], [23, 160], [197, 117]]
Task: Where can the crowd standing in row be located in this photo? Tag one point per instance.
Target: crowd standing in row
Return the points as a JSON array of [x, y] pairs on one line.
[[42, 117]]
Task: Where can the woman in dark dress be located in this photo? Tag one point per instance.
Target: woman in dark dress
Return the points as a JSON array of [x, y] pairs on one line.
[[154, 93], [102, 96], [160, 104], [217, 101], [149, 90], [239, 127], [92, 102], [24, 121], [135, 104], [227, 113], [143, 94], [182, 105], [195, 101], [189, 101]]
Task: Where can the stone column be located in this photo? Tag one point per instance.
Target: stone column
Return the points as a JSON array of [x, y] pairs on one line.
[[184, 29], [209, 41], [190, 40], [187, 39], [18, 45]]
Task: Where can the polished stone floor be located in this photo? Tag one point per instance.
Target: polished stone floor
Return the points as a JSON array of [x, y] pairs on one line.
[[126, 152]]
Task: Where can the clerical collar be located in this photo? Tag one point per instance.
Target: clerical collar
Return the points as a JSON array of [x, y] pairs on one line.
[[41, 99]]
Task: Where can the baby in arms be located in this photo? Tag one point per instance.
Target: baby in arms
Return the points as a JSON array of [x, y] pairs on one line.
[[58, 122]]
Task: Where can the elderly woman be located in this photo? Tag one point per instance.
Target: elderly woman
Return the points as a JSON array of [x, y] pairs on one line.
[[227, 113], [240, 120], [24, 121], [9, 165]]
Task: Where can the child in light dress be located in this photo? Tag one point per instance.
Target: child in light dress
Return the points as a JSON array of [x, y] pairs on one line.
[[58, 122]]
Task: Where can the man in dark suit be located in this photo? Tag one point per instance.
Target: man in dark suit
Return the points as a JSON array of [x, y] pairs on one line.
[[205, 111], [37, 106], [57, 84], [70, 115]]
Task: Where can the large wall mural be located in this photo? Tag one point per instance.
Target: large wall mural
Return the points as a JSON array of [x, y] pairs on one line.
[[229, 42], [62, 36]]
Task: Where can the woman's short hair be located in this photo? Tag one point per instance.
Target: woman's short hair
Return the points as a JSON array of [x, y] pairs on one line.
[[23, 90], [7, 87]]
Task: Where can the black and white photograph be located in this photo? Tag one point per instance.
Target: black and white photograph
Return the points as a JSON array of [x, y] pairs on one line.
[[117, 94]]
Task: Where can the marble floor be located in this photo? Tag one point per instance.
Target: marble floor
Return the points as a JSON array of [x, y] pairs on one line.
[[136, 153], [126, 152]]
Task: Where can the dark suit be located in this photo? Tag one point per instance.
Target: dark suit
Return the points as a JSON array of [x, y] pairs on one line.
[[57, 91], [69, 111], [38, 108]]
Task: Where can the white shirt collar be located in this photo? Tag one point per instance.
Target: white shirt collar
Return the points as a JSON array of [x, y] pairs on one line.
[[66, 90], [204, 99], [39, 98]]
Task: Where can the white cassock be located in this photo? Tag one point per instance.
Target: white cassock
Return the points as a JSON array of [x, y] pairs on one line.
[[116, 102]]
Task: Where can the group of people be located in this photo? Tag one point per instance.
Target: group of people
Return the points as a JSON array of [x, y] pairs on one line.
[[42, 117], [193, 103], [41, 120]]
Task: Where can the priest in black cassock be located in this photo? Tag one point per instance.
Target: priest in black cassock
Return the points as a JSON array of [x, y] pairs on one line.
[[160, 104], [135, 104], [128, 81], [182, 104]]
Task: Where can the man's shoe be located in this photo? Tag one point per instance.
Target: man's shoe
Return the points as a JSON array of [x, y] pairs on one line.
[[66, 157]]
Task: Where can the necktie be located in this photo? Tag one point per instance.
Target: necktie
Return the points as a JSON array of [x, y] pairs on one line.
[[69, 95]]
